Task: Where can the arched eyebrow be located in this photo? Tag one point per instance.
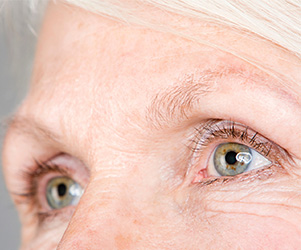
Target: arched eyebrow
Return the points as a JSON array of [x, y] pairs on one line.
[[167, 107], [173, 105]]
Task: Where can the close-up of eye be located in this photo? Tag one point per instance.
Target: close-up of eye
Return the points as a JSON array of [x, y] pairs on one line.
[[63, 191], [53, 186], [233, 159], [236, 150]]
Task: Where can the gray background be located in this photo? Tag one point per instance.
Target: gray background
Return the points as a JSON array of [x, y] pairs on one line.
[[11, 91], [21, 23]]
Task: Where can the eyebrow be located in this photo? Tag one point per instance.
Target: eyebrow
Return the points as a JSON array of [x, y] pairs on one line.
[[166, 109], [32, 128], [173, 105]]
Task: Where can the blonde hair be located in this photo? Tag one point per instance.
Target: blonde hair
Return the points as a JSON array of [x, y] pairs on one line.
[[277, 21]]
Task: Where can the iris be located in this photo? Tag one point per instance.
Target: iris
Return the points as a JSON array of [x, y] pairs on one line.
[[62, 192], [232, 158]]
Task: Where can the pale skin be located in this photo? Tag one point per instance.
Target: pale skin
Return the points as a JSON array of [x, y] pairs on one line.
[[118, 106]]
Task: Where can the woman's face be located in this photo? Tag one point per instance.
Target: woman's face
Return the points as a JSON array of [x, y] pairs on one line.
[[176, 145]]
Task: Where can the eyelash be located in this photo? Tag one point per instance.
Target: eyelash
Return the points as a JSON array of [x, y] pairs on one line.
[[30, 179], [220, 129], [31, 176]]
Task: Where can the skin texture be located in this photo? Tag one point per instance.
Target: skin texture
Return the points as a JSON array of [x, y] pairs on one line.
[[117, 105]]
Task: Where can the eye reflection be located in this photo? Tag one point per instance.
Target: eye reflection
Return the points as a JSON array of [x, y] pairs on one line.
[[62, 192], [228, 161], [231, 159]]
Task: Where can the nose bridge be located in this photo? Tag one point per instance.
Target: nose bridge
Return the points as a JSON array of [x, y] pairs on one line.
[[115, 207], [101, 219]]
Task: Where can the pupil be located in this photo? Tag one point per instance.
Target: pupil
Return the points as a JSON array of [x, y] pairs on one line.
[[61, 188], [231, 157]]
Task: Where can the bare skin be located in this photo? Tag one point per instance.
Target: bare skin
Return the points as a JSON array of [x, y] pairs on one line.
[[120, 108]]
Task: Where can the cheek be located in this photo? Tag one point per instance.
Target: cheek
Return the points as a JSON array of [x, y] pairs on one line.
[[46, 240], [250, 215], [119, 216], [250, 231], [221, 229], [125, 223]]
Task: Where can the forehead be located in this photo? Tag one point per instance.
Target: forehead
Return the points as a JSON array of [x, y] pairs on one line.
[[69, 30], [76, 44], [88, 66]]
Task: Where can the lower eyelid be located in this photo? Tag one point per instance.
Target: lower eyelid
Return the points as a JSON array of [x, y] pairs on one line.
[[260, 175], [52, 217]]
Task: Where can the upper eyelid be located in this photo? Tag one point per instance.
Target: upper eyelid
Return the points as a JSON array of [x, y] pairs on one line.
[[228, 129], [46, 167], [216, 129], [30, 177]]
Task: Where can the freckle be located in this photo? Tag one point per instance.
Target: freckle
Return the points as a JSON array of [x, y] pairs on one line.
[[231, 167]]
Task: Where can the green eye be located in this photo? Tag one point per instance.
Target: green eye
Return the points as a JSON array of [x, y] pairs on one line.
[[232, 158], [62, 192]]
